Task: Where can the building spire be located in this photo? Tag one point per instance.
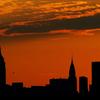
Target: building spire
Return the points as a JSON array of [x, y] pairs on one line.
[[72, 69], [72, 60]]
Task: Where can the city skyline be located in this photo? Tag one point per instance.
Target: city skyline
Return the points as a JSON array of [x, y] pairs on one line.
[[40, 36], [59, 77], [63, 87]]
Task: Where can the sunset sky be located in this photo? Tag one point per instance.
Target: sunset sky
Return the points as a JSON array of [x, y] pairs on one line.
[[39, 38]]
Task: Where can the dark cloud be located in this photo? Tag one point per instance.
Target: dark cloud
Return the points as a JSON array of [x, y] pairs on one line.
[[39, 18], [90, 22]]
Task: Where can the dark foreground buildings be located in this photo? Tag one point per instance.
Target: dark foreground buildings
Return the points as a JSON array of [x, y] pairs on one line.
[[83, 86], [56, 87]]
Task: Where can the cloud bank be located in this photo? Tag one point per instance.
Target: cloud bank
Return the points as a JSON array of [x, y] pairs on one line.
[[27, 17]]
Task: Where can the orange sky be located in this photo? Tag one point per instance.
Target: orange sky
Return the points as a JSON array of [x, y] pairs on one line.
[[36, 61], [36, 56]]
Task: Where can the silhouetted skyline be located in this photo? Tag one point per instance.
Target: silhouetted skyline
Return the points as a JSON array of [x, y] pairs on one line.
[[63, 87]]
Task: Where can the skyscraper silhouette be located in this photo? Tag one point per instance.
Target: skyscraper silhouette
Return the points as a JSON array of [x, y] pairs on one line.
[[72, 79], [2, 71], [96, 78], [83, 86], [61, 87]]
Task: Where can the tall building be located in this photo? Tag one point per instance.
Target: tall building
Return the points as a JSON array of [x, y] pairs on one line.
[[72, 78], [83, 86], [96, 78], [2, 70]]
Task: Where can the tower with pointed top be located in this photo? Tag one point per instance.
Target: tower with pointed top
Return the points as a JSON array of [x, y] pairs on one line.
[[72, 78], [72, 70], [2, 70]]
